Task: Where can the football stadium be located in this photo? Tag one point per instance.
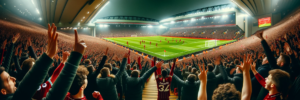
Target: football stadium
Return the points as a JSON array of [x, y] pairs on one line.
[[149, 50]]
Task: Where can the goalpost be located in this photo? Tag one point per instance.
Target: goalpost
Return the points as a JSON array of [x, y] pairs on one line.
[[133, 35], [211, 43]]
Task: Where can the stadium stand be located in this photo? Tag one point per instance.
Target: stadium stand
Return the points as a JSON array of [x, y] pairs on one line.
[[232, 32]]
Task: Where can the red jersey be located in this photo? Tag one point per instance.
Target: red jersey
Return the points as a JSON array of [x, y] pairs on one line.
[[262, 82], [68, 97], [42, 90], [163, 86]]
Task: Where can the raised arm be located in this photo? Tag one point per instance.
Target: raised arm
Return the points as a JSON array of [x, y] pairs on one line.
[[268, 52], [9, 53], [139, 63], [64, 81], [122, 67], [60, 67], [149, 72], [173, 66], [3, 50], [202, 95], [35, 77], [247, 86], [30, 49]]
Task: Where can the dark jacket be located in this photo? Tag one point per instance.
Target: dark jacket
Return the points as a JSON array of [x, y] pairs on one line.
[[92, 80], [107, 85], [134, 85], [65, 79], [189, 89], [33, 79], [213, 81]]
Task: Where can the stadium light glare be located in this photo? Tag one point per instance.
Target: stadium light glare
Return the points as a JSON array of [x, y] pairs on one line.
[[161, 26], [225, 16], [150, 26], [193, 19], [100, 25], [78, 23], [172, 22], [40, 18], [98, 11], [37, 11]]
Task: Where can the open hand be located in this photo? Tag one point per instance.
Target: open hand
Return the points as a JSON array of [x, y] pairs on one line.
[[80, 45], [245, 66], [15, 38], [158, 65], [126, 54], [52, 41], [260, 35], [203, 74]]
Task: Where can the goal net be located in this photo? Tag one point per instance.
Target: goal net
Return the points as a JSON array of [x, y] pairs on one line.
[[133, 35], [211, 43]]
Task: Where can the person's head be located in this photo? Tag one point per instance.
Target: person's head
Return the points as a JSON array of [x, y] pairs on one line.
[[194, 70], [191, 78], [283, 60], [265, 61], [135, 73], [225, 64], [134, 67], [210, 67], [108, 65], [128, 67], [190, 68], [27, 64], [164, 73], [226, 92], [7, 83], [87, 61], [104, 72], [80, 81], [278, 80], [236, 62], [90, 68]]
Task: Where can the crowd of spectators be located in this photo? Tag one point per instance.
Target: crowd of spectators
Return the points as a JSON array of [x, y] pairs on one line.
[[232, 32], [42, 64]]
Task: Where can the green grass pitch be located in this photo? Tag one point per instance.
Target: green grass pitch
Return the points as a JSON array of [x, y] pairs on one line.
[[173, 49]]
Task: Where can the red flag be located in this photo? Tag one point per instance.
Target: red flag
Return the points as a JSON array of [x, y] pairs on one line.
[[165, 50]]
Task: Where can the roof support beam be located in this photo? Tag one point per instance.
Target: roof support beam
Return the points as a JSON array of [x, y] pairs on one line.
[[247, 6], [79, 12], [63, 10], [53, 18]]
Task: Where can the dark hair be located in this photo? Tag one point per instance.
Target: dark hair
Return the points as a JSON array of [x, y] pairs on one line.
[[236, 62], [164, 73], [226, 92], [2, 69], [191, 78], [104, 72], [78, 81], [281, 79], [27, 64], [135, 73], [90, 68], [194, 70], [210, 67], [190, 68], [286, 59], [128, 67], [108, 65], [134, 67], [87, 61]]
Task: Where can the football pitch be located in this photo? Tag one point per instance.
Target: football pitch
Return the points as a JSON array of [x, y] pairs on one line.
[[173, 49]]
